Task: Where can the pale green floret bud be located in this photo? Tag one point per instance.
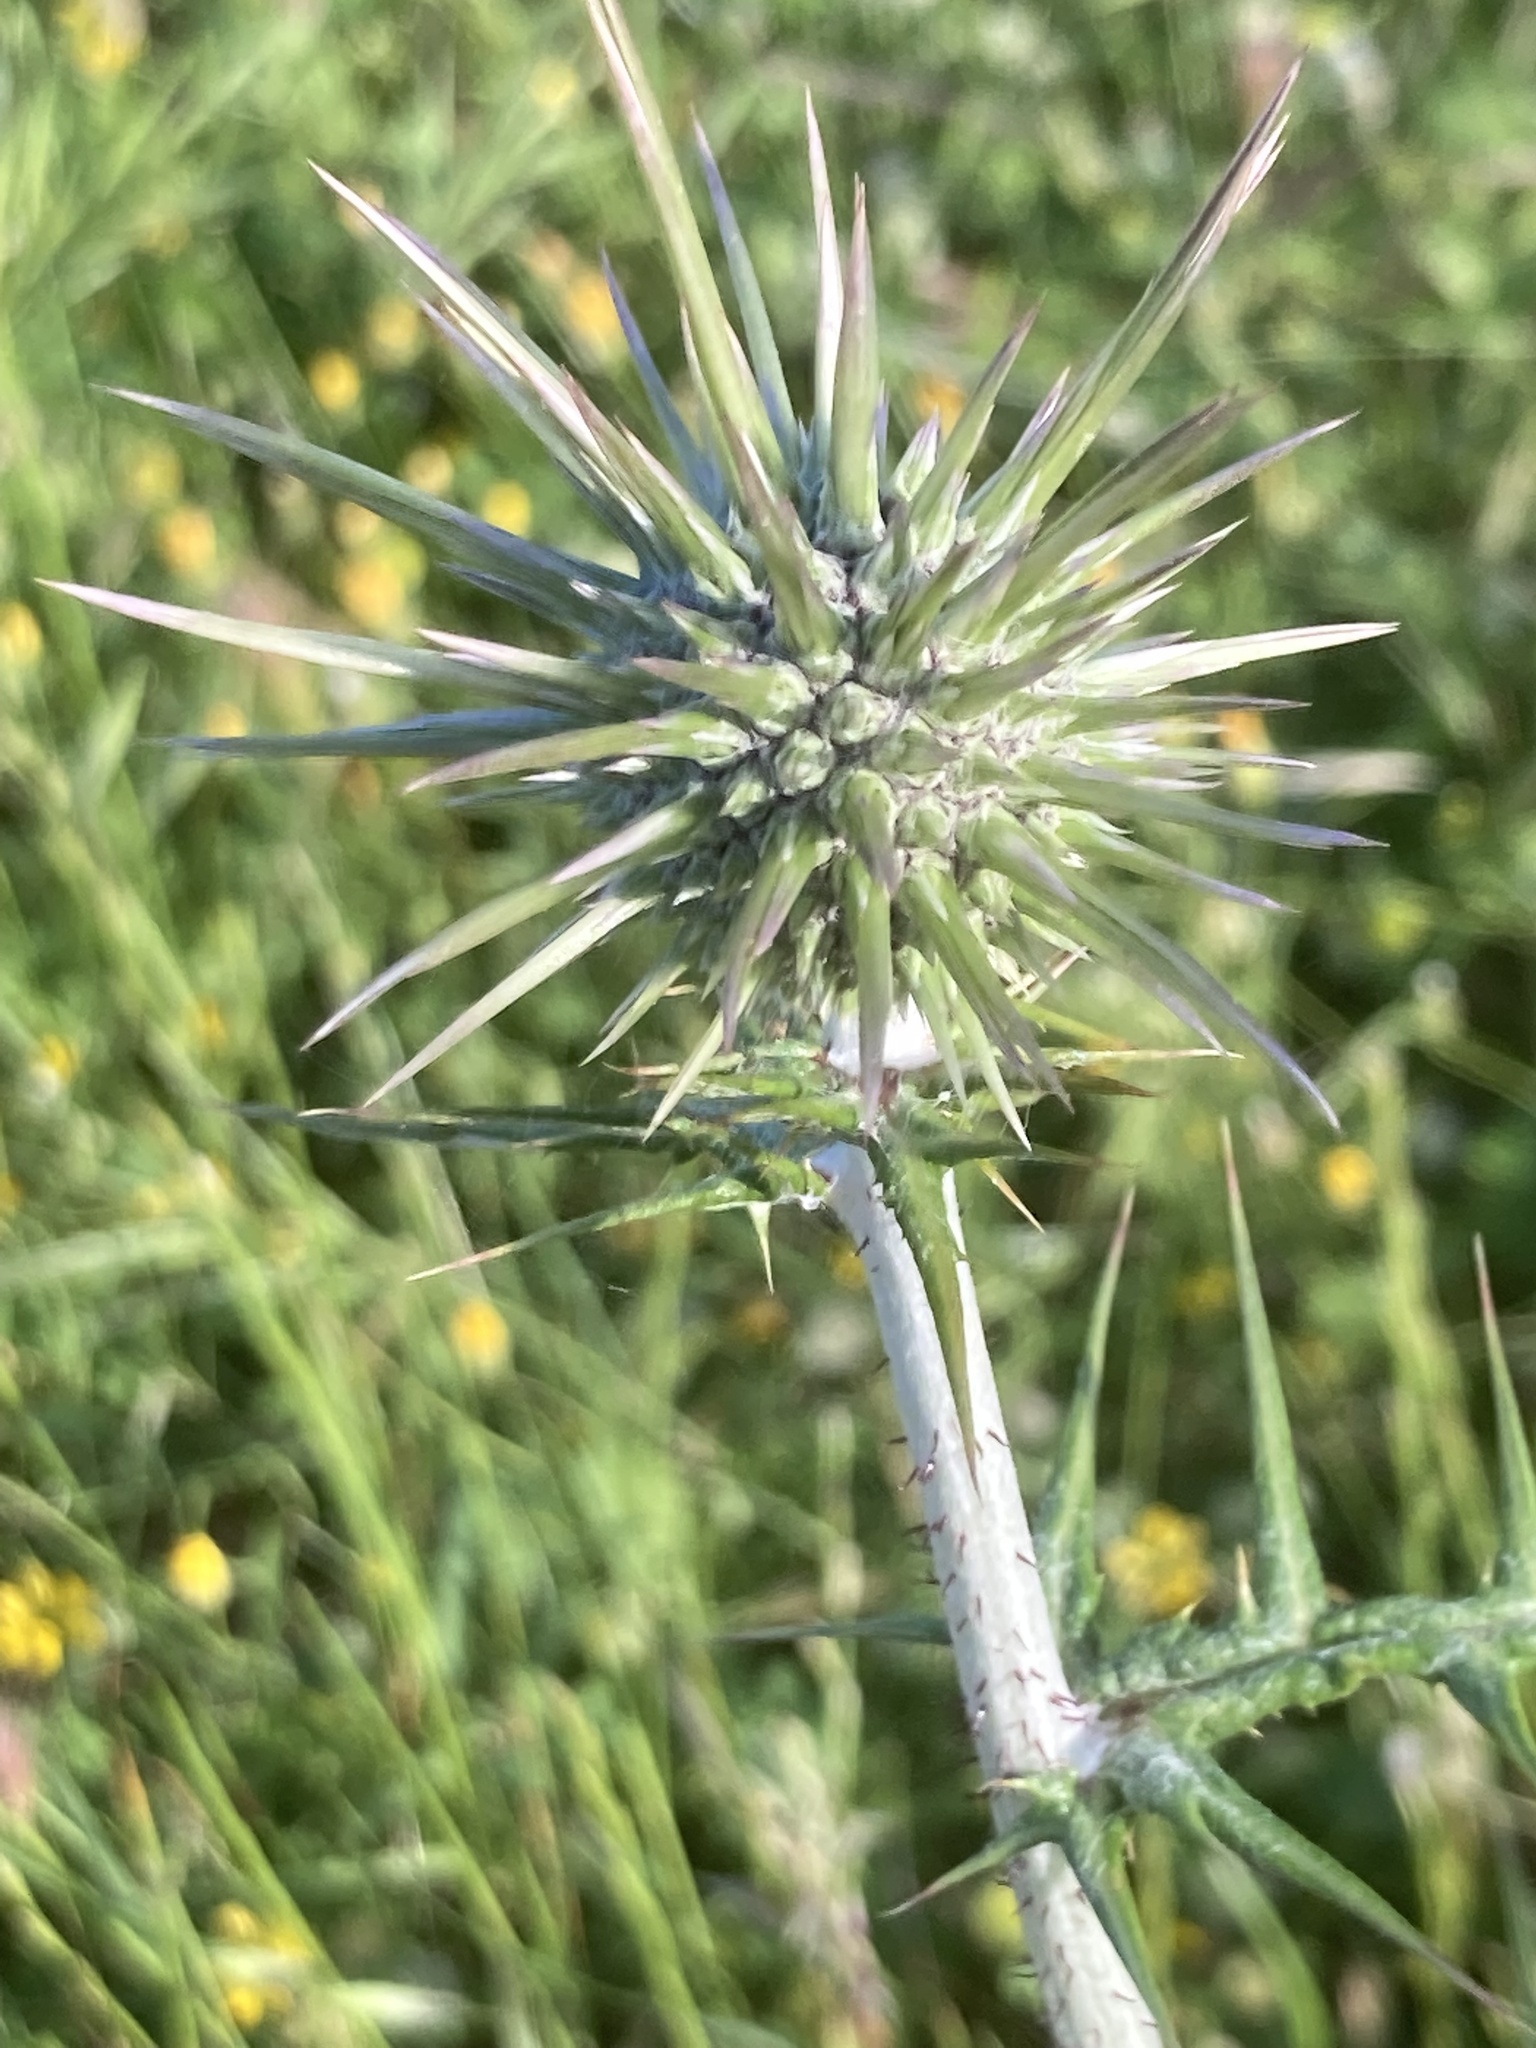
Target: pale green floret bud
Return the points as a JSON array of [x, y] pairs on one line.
[[990, 893], [912, 750], [744, 793], [854, 714], [803, 762], [927, 823]]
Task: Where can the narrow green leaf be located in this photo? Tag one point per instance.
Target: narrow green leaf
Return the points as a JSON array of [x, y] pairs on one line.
[[969, 1028], [704, 478], [587, 929], [1064, 1526], [829, 295], [793, 853], [401, 738], [1100, 789], [867, 908], [1103, 385], [936, 999], [935, 907], [1487, 1683], [735, 396], [1199, 1798], [1048, 1799], [773, 694], [807, 622], [879, 1628], [651, 836], [678, 735], [898, 639], [917, 461], [705, 1047], [853, 463], [719, 1191], [865, 807], [1515, 1565], [1096, 1850], [761, 345], [641, 1000], [1153, 668], [1288, 1581], [933, 506]]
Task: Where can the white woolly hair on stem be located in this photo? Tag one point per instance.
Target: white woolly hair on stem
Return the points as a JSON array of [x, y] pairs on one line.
[[1019, 1708]]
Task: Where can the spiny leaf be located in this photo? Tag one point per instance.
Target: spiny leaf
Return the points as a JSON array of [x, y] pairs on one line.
[[1199, 1797], [1152, 669], [735, 395], [1064, 1526], [678, 735], [1516, 1563], [1104, 790], [773, 694], [587, 929], [1288, 1580], [761, 345], [407, 738], [1096, 1850], [932, 516], [829, 299], [704, 478], [1487, 1684], [705, 1047], [1048, 1799], [718, 1192], [936, 908], [853, 464], [1100, 389], [806, 621], [880, 1628], [641, 1000]]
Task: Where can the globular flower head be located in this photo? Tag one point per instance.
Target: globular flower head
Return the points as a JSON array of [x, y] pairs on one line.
[[874, 737]]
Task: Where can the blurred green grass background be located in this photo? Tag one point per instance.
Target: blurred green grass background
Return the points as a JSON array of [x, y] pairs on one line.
[[362, 1666]]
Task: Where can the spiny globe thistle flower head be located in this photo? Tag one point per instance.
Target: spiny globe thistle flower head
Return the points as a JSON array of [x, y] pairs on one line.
[[874, 737]]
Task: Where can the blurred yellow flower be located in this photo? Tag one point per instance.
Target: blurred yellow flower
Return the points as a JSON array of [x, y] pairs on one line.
[[393, 329], [1244, 732], [247, 2005], [1161, 1567], [354, 525], [590, 314], [760, 1319], [552, 85], [30, 1646], [236, 1923], [10, 1195], [165, 238], [478, 1332], [360, 785], [186, 540], [429, 467], [1205, 1292], [198, 1573], [507, 505], [1347, 1176], [371, 591], [21, 637], [42, 1612], [210, 1026], [335, 380], [152, 476], [104, 36], [1400, 922], [935, 393], [55, 1064], [225, 721]]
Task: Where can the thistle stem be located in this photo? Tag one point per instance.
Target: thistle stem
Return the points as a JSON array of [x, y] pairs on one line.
[[1020, 1710]]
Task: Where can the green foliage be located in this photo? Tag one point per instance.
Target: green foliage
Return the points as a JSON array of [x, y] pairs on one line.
[[204, 1323]]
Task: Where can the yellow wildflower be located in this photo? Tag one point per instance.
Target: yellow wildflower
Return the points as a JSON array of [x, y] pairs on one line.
[[31, 1646], [552, 85], [210, 1026], [1244, 732], [507, 505], [198, 1573], [1205, 1292], [393, 328], [55, 1064], [371, 591], [225, 721], [760, 1319], [186, 540], [478, 1332], [429, 467], [73, 1608], [335, 380], [10, 1195], [21, 637], [1161, 1567], [1347, 1176], [935, 393], [354, 525], [246, 2005], [153, 476], [104, 36], [590, 314], [233, 1922]]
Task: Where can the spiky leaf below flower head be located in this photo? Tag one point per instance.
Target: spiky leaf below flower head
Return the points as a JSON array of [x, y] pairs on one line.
[[875, 736]]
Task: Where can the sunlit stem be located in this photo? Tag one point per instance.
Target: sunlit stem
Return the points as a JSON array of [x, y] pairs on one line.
[[1020, 1711]]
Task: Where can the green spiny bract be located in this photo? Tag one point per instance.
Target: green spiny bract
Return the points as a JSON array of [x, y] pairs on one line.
[[875, 737]]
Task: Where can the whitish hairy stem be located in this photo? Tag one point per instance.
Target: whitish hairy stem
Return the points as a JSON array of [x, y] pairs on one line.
[[1020, 1710]]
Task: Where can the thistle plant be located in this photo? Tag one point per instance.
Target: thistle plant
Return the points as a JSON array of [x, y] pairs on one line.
[[874, 740]]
